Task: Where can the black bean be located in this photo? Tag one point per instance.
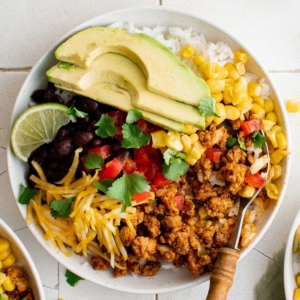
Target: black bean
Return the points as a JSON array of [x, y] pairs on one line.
[[123, 153], [83, 138], [63, 148], [115, 145], [88, 105], [38, 96], [53, 164], [53, 98], [84, 122], [97, 114], [79, 170], [97, 142], [58, 175], [51, 87], [92, 127], [62, 134], [67, 162], [71, 103], [40, 154]]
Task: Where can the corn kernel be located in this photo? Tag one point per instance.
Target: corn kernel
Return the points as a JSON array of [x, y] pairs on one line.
[[9, 261], [199, 59], [211, 70], [8, 285], [272, 191], [4, 245], [195, 153], [216, 85], [241, 56], [271, 116], [277, 129], [223, 73], [277, 156], [229, 83], [217, 96], [256, 109], [281, 141], [246, 191], [209, 119], [228, 95], [298, 280], [260, 101], [220, 110], [272, 137], [268, 125], [4, 254], [293, 106], [190, 160], [232, 72], [194, 137], [159, 139], [269, 106], [202, 213], [239, 98], [239, 87], [232, 113], [254, 89], [244, 105], [297, 294], [173, 141], [186, 143], [2, 277], [240, 67], [1, 290], [199, 147], [187, 51], [277, 171], [189, 129]]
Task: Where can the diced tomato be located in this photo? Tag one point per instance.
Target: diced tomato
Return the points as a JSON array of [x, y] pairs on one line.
[[119, 116], [118, 135], [152, 153], [104, 151], [141, 157], [129, 166], [213, 154], [142, 124], [251, 126], [138, 197], [113, 169], [160, 180], [141, 170], [153, 127], [179, 198], [255, 180], [154, 166]]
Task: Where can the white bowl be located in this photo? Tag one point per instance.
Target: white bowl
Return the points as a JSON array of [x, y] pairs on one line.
[[289, 276], [24, 260], [165, 280]]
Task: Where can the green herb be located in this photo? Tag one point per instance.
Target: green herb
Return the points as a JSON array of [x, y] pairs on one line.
[[103, 185], [134, 137], [207, 107], [93, 160], [76, 113], [126, 186], [174, 170], [171, 156], [258, 139], [72, 279], [61, 208], [242, 145], [26, 194], [133, 116], [106, 126], [65, 65], [231, 142]]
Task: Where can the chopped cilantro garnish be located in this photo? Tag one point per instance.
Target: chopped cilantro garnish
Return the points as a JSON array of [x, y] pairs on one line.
[[134, 137], [126, 186], [231, 142], [61, 208], [174, 170], [103, 185], [106, 126], [93, 160], [133, 116], [72, 279], [171, 156], [207, 107], [258, 139], [242, 145], [26, 194], [76, 113], [65, 65]]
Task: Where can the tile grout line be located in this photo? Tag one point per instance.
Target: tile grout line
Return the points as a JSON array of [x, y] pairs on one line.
[[16, 70], [160, 2], [264, 254]]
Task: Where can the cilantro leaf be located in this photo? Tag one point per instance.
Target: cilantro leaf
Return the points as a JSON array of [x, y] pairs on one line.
[[103, 185], [133, 116], [76, 113], [171, 156], [258, 139], [174, 170], [134, 137], [26, 194], [207, 107], [61, 208], [126, 186], [106, 126], [231, 142], [72, 279], [242, 145], [93, 160]]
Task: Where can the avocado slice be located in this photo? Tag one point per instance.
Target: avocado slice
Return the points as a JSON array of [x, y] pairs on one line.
[[166, 74], [112, 95], [121, 71]]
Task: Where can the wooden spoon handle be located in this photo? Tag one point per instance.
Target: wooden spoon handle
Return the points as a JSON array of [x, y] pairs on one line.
[[221, 278]]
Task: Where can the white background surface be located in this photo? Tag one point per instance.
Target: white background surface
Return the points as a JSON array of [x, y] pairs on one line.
[[271, 28]]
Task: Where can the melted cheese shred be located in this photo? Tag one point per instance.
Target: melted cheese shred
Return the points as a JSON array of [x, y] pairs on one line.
[[93, 222]]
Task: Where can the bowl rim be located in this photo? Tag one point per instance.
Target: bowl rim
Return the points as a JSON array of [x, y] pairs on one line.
[[279, 101], [31, 265]]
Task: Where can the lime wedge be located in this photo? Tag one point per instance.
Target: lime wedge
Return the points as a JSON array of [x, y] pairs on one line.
[[38, 125]]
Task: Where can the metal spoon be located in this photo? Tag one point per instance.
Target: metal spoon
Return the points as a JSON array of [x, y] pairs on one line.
[[221, 278]]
